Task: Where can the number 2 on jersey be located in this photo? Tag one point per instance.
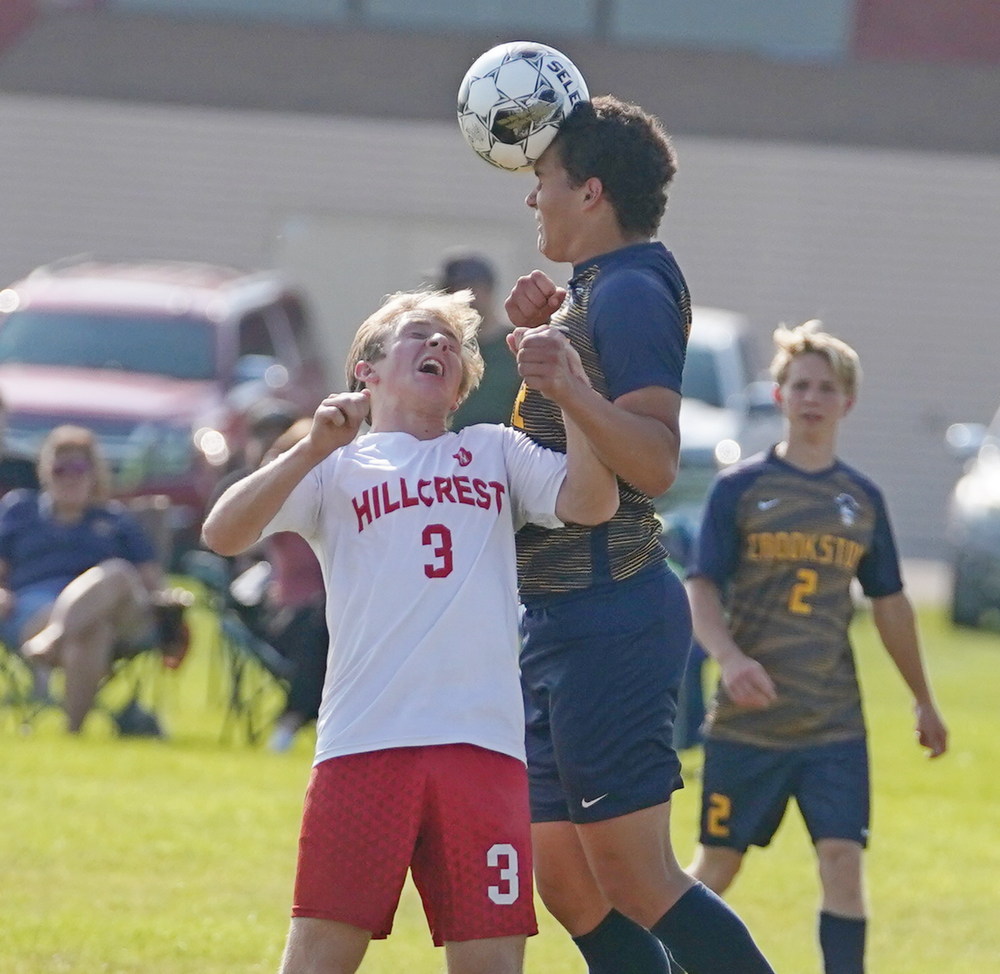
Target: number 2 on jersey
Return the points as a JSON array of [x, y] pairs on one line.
[[808, 582], [438, 538]]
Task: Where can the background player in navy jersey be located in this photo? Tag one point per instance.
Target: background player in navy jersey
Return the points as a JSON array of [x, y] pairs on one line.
[[607, 627], [784, 534], [420, 738]]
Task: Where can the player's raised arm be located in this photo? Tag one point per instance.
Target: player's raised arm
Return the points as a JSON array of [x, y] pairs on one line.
[[550, 364], [241, 513], [638, 435], [589, 494]]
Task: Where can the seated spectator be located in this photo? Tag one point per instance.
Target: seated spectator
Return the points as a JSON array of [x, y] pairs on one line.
[[266, 420], [285, 605], [79, 579], [291, 615]]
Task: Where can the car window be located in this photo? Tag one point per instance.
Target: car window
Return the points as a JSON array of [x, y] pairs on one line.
[[700, 379], [180, 347], [295, 313], [993, 430], [255, 335]]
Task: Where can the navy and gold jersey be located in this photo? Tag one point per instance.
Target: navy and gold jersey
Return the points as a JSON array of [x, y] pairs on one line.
[[628, 314], [783, 545]]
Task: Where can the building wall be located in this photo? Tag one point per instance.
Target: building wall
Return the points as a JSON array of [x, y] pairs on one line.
[[790, 28], [824, 30], [895, 250], [414, 75]]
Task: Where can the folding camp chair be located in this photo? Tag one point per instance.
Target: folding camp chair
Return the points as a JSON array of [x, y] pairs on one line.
[[19, 701], [256, 673], [138, 672]]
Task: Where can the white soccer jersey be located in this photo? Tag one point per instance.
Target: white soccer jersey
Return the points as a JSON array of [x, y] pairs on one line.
[[416, 541]]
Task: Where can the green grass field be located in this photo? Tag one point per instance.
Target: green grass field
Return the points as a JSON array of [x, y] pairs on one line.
[[176, 857]]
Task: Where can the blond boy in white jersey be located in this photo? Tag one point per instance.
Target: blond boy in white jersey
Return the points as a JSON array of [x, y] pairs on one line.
[[420, 739]]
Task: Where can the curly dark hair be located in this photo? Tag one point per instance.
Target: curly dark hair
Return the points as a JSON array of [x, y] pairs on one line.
[[629, 150]]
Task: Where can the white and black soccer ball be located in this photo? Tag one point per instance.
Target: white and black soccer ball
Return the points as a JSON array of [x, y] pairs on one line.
[[513, 99]]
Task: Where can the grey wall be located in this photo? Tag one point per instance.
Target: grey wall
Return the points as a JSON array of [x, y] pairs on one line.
[[895, 250], [794, 28], [412, 75]]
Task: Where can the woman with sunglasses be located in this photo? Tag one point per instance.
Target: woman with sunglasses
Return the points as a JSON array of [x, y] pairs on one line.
[[78, 575]]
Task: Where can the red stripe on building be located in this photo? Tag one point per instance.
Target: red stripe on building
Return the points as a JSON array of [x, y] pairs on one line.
[[15, 16], [928, 30]]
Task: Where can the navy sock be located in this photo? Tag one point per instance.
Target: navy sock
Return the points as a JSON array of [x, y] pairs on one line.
[[618, 945], [706, 937], [842, 940]]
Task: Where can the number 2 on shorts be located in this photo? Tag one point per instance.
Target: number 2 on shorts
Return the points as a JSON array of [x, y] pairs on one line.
[[717, 815]]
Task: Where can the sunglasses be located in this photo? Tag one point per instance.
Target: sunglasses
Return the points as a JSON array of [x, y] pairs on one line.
[[69, 468]]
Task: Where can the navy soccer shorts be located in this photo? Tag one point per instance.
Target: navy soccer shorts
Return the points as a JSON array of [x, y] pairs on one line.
[[600, 672], [746, 790]]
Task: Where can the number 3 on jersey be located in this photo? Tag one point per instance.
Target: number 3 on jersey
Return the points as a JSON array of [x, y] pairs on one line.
[[438, 538]]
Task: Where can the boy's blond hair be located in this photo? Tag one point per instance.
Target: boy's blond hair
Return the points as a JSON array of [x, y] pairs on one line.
[[809, 337], [453, 310]]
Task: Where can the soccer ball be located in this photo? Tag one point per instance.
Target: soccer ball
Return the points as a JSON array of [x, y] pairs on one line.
[[513, 99]]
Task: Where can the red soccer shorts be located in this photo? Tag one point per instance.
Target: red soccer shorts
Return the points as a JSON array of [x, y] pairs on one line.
[[456, 815]]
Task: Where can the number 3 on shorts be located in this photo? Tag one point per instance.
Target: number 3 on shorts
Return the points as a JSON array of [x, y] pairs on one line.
[[503, 856]]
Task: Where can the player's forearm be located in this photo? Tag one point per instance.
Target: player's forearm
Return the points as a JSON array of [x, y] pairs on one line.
[[245, 508], [589, 494], [744, 678], [640, 449], [897, 628], [708, 618]]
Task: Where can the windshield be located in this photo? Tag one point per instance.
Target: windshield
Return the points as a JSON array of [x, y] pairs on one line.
[[175, 346], [134, 451], [700, 379]]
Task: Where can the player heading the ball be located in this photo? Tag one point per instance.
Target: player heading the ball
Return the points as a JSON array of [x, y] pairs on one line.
[[606, 625]]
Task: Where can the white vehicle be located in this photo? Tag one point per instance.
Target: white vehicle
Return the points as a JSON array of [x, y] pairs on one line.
[[974, 524], [728, 410]]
